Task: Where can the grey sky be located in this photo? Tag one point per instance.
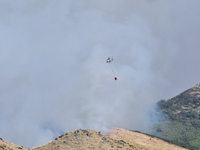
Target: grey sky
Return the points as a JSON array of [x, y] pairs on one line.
[[54, 78]]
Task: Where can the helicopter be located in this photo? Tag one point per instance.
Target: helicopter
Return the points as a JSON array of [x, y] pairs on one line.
[[110, 60]]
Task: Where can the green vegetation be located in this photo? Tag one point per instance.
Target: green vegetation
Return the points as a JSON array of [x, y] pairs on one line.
[[131, 145], [123, 141], [127, 143], [1, 147], [184, 145], [180, 121]]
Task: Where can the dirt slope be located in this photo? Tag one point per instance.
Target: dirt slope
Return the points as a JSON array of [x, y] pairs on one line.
[[142, 141], [9, 146]]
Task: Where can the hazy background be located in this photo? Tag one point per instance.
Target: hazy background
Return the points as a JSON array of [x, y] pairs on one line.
[[53, 72]]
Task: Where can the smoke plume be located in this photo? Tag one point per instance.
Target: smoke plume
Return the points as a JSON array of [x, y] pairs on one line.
[[54, 76]]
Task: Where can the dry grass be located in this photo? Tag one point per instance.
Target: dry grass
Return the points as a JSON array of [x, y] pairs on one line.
[[117, 139], [142, 141], [9, 146], [85, 139]]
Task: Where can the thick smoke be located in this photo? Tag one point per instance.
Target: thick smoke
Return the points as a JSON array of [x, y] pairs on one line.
[[54, 76]]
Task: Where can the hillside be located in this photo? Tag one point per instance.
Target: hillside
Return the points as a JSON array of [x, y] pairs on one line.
[[179, 124], [90, 139], [142, 141], [184, 106], [116, 139], [180, 117], [84, 139], [9, 146]]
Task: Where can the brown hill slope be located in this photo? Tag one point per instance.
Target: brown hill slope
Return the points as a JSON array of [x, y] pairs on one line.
[[9, 146], [116, 139], [84, 139], [142, 141]]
